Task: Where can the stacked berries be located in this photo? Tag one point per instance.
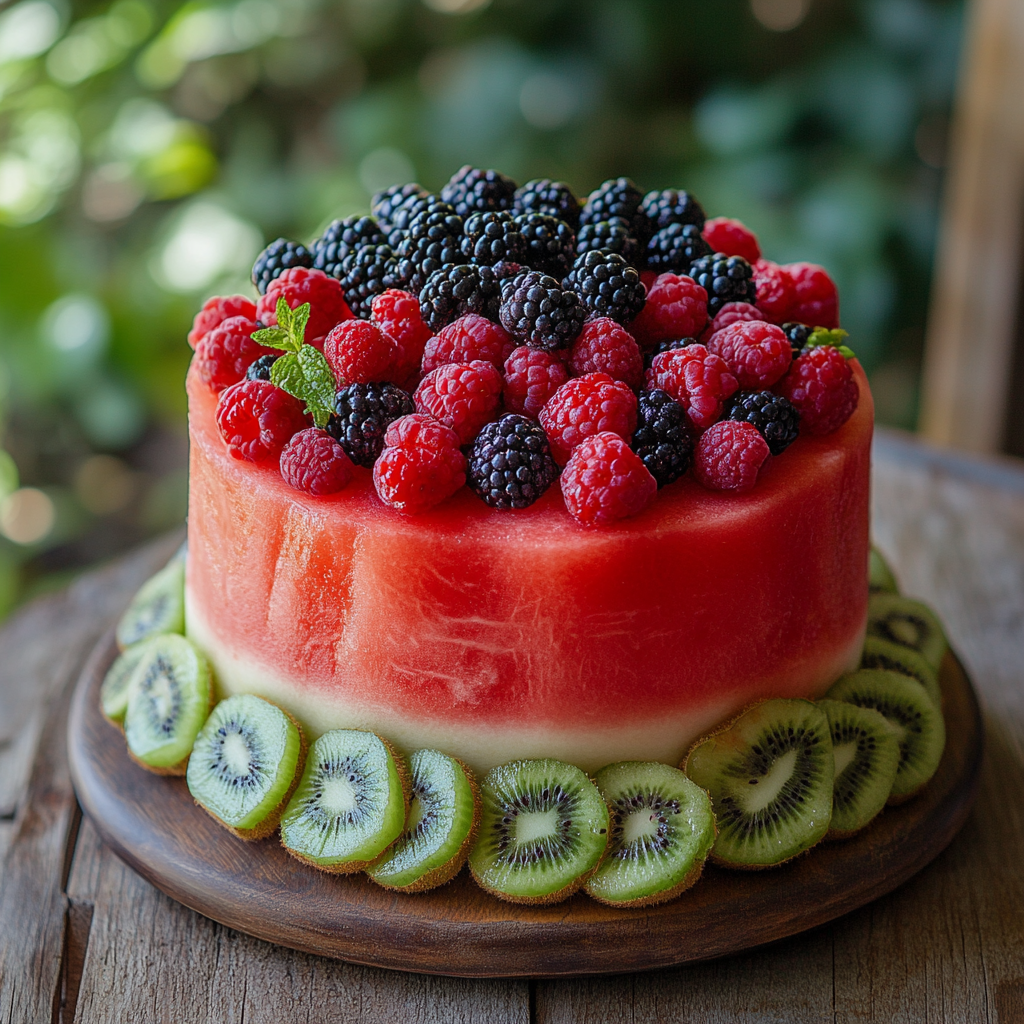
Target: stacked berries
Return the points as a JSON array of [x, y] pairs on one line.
[[488, 335]]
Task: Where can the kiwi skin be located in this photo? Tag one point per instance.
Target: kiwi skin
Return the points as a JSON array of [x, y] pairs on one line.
[[446, 872], [269, 824], [687, 882]]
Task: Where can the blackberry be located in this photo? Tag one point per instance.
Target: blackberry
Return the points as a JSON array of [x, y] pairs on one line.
[[550, 243], [775, 417], [538, 311], [663, 439], [362, 413], [607, 285], [278, 257], [618, 197], [672, 206], [493, 237], [612, 235], [366, 272], [386, 204], [343, 237], [552, 198], [509, 464], [666, 346], [456, 290], [259, 368], [471, 190], [725, 279], [674, 248], [798, 335], [431, 241]]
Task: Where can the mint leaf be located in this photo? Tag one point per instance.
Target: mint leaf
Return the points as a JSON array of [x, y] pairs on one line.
[[272, 337], [290, 330], [320, 385], [834, 337]]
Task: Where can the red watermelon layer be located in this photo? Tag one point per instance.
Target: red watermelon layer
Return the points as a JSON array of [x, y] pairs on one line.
[[501, 634]]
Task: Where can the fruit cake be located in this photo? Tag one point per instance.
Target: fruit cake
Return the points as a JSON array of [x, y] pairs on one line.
[[503, 474]]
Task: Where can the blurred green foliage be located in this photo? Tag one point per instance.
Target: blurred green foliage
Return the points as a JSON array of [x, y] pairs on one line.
[[149, 148]]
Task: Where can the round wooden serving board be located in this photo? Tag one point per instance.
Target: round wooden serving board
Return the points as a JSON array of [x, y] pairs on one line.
[[153, 824]]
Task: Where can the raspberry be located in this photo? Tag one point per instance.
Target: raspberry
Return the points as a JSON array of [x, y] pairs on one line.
[[606, 480], [223, 355], [532, 376], [606, 347], [510, 463], [663, 439], [397, 313], [729, 456], [421, 465], [821, 386], [815, 299], [463, 396], [257, 419], [666, 346], [677, 307], [758, 354], [733, 238], [470, 337], [697, 379], [326, 299], [358, 351], [216, 311], [312, 461], [585, 406], [730, 313], [774, 416], [774, 291]]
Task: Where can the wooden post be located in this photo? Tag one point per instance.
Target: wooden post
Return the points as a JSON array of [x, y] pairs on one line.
[[971, 323]]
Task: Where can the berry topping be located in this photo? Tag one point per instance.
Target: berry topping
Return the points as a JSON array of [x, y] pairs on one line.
[[470, 337], [732, 313], [471, 190], [607, 285], [605, 480], [550, 244], [729, 456], [300, 285], [757, 354], [815, 298], [553, 198], [510, 463], [463, 396], [666, 346], [259, 369], [312, 461], [365, 273], [385, 205], [278, 257], [618, 197], [453, 291], [677, 307], [773, 415], [216, 311], [725, 279], [223, 355], [257, 419], [538, 311], [585, 406], [492, 237], [733, 238], [397, 313], [362, 414], [343, 237], [359, 351], [774, 291], [821, 386], [673, 249], [421, 465], [431, 241], [664, 438], [612, 235], [697, 379], [799, 334], [532, 376], [607, 347], [672, 206]]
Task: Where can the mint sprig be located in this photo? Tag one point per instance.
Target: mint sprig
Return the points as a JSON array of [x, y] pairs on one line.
[[834, 337], [302, 371]]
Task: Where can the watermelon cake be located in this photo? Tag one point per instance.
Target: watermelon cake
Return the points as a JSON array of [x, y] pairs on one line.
[[509, 476]]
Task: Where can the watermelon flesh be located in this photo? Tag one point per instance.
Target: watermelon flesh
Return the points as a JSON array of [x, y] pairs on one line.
[[493, 635]]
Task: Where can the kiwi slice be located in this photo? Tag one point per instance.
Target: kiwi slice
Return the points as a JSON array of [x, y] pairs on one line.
[[114, 689], [884, 654], [439, 828], [866, 751], [661, 828], [245, 764], [350, 805], [880, 575], [769, 773], [158, 607], [921, 731], [168, 701], [543, 831], [909, 623]]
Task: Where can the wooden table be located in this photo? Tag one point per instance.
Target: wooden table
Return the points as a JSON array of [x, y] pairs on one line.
[[82, 938]]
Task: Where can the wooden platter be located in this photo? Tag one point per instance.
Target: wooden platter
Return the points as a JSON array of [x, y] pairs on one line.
[[152, 823]]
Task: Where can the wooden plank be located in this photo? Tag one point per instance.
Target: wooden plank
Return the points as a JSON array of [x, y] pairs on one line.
[[977, 278]]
